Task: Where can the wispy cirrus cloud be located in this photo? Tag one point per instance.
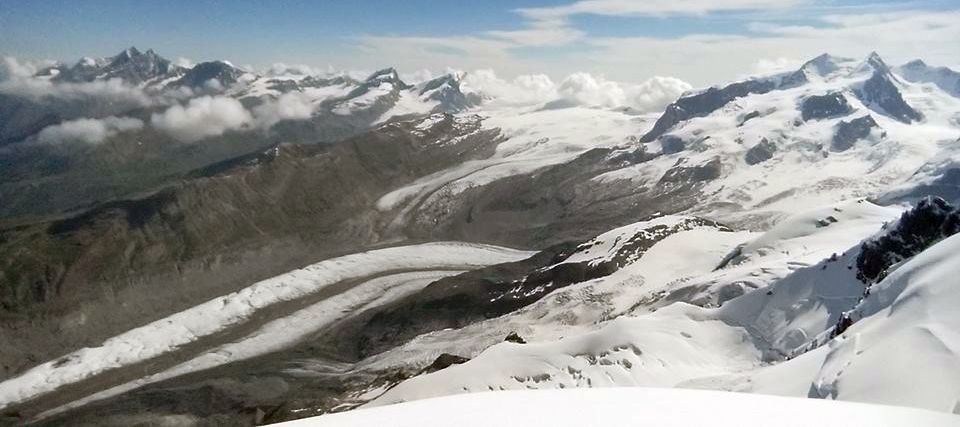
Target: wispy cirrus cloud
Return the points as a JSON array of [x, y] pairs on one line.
[[651, 8], [768, 32]]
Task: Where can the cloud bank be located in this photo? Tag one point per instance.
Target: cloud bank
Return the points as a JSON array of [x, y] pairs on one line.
[[91, 131], [210, 116], [577, 89], [289, 106], [201, 118]]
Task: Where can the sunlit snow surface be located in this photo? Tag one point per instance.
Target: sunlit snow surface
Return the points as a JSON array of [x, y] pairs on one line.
[[633, 406], [741, 346]]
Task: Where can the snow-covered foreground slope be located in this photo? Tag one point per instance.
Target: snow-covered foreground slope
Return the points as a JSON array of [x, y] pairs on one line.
[[630, 406], [904, 351], [751, 343], [204, 320]]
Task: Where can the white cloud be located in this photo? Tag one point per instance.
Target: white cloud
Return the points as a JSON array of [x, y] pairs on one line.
[[17, 78], [523, 90], [582, 89], [290, 106], [418, 76], [11, 68], [184, 62], [719, 58], [656, 93], [651, 7], [540, 34], [281, 69], [585, 89], [91, 131], [113, 91], [775, 65], [201, 118], [700, 56]]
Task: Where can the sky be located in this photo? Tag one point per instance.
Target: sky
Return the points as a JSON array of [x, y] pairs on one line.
[[700, 41]]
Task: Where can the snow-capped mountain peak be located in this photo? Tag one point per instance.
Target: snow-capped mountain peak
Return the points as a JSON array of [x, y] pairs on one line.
[[448, 90], [917, 71], [881, 92], [825, 64], [212, 74], [130, 65], [874, 64]]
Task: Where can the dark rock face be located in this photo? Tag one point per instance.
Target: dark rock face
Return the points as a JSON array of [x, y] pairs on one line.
[[760, 153], [444, 361], [671, 144], [848, 133], [692, 174], [631, 157], [818, 107], [704, 103], [201, 74], [930, 221], [794, 79], [880, 94], [747, 117], [446, 91], [515, 338]]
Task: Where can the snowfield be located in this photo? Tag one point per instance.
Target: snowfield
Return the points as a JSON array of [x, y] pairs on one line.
[[803, 170], [630, 406], [749, 343]]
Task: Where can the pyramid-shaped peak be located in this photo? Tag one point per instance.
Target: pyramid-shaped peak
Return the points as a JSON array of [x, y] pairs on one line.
[[877, 63], [133, 54], [825, 64], [128, 53]]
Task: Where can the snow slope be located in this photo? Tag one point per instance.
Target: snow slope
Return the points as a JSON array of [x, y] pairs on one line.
[[904, 351], [630, 406], [740, 346], [581, 307], [662, 349], [914, 308]]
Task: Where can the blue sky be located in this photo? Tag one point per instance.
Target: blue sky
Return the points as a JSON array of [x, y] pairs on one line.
[[623, 39]]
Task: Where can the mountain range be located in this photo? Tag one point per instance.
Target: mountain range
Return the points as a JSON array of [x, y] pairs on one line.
[[322, 243]]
